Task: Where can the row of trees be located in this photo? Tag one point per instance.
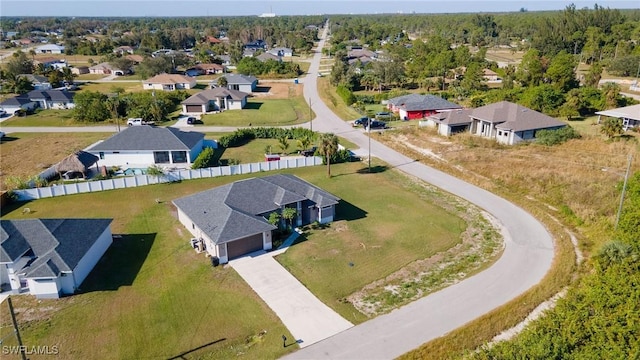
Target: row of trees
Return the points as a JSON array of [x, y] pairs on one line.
[[20, 64], [93, 106]]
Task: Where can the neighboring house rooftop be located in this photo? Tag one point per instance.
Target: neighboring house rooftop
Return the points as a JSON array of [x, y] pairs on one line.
[[514, 117], [236, 210], [150, 138], [415, 102], [169, 79], [51, 95], [267, 56], [453, 117], [33, 78], [211, 94], [628, 112], [57, 245], [16, 101], [239, 79]]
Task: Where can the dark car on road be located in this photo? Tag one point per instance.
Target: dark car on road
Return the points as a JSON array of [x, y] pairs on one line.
[[375, 124], [193, 121], [360, 122]]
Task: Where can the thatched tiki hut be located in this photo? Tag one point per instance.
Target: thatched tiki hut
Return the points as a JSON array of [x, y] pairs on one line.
[[78, 162]]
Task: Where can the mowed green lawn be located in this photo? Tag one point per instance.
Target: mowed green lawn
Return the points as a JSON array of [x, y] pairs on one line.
[[151, 296], [384, 222], [263, 112]]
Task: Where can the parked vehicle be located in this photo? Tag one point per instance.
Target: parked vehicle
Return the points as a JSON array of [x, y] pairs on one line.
[[360, 122], [193, 121], [308, 152], [383, 115], [138, 122], [2, 112], [375, 124]]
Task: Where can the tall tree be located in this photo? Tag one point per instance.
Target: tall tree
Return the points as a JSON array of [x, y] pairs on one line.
[[328, 148], [531, 71]]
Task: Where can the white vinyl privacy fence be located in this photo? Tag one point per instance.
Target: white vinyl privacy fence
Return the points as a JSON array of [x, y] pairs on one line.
[[170, 176]]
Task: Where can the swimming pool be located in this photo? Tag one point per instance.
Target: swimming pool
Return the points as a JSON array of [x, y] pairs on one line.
[[135, 171]]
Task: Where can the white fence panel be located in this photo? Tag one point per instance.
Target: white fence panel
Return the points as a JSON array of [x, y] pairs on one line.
[[179, 175]]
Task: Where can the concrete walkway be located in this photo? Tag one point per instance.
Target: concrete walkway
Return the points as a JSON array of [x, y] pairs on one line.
[[306, 317]]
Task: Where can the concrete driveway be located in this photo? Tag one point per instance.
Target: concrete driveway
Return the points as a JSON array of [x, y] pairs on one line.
[[307, 318]]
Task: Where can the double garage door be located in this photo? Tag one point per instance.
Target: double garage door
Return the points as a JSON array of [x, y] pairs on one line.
[[244, 246], [194, 108]]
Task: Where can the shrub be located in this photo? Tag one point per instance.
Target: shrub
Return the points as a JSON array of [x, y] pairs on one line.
[[204, 160], [346, 94], [555, 137]]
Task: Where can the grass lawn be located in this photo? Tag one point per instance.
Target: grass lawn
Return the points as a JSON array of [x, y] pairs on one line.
[[91, 77], [49, 117], [263, 112], [151, 296], [107, 87], [384, 222]]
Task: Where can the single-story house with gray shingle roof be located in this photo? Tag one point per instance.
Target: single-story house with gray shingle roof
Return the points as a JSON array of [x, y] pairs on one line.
[[244, 83], [216, 99], [510, 123], [281, 52], [449, 122], [51, 257], [268, 56], [52, 99], [231, 220], [143, 146], [20, 102], [39, 82], [416, 106]]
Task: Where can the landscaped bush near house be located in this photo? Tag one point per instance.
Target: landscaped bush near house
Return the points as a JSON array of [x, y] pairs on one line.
[[242, 136], [204, 160], [555, 137]]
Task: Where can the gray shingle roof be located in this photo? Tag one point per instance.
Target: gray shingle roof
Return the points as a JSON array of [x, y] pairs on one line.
[[16, 101], [415, 102], [51, 95], [150, 138], [239, 79], [57, 244], [236, 210], [453, 117], [514, 117], [205, 96]]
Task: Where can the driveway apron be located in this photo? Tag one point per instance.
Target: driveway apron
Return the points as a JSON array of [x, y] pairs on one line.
[[306, 317]]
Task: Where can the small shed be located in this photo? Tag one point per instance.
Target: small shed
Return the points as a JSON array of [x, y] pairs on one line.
[[78, 162]]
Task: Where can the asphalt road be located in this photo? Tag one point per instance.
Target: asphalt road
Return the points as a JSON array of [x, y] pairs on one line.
[[526, 259]]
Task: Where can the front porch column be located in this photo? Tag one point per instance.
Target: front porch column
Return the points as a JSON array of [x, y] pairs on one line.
[[299, 213]]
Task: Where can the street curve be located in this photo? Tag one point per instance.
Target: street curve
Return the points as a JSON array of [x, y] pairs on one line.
[[527, 257]]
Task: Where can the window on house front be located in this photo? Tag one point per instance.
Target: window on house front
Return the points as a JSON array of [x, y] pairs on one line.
[[161, 157], [179, 156]]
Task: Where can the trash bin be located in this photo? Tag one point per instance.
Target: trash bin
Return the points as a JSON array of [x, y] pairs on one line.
[[295, 81], [215, 261]]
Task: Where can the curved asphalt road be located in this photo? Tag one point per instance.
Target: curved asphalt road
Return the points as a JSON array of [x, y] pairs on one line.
[[526, 259]]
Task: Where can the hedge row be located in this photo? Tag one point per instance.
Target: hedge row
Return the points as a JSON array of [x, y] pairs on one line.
[[242, 136]]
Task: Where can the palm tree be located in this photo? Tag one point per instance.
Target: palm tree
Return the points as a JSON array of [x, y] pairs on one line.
[[288, 214], [328, 147], [304, 142], [222, 81], [283, 143]]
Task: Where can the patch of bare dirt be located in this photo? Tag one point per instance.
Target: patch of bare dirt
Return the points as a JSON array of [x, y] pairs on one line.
[[278, 90]]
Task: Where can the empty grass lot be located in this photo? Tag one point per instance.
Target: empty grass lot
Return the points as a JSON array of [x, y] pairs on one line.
[[263, 112], [26, 154], [47, 117], [151, 296]]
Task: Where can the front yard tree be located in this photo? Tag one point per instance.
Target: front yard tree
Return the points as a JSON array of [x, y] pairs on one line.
[[304, 142], [91, 106], [223, 82], [612, 127], [283, 143], [328, 148], [19, 63], [289, 214]]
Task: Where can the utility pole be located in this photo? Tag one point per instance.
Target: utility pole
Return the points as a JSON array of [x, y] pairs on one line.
[[15, 329], [310, 117], [624, 188], [369, 131]]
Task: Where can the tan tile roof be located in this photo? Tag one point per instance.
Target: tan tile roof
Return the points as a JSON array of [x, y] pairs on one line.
[[169, 79], [514, 117]]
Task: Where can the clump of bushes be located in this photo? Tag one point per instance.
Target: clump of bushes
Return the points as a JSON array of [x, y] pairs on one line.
[[555, 137], [205, 159]]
